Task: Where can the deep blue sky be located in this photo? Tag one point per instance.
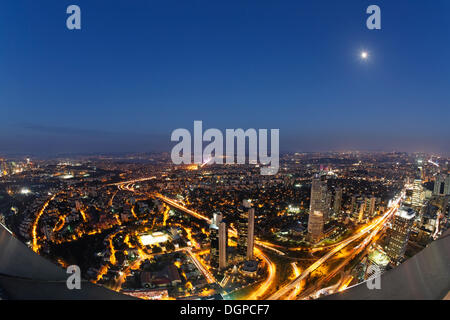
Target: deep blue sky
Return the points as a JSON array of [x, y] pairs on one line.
[[139, 69]]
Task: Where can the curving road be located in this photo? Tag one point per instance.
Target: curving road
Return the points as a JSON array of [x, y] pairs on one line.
[[378, 223]]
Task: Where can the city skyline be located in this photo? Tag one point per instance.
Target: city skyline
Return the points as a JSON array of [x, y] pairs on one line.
[[322, 227], [225, 150]]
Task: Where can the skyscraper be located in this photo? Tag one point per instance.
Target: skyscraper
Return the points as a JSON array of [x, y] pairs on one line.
[[214, 240], [337, 201], [327, 209], [315, 226], [223, 244], [417, 196], [399, 233], [362, 210], [319, 200], [437, 185], [442, 185], [251, 233], [369, 207], [246, 227], [447, 185]]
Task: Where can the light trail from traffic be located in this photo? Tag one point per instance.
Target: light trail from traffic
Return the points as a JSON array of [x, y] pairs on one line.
[[269, 246], [180, 207], [299, 287], [35, 245], [112, 198], [133, 212], [262, 289], [296, 283], [265, 286], [131, 181], [292, 285], [83, 215], [209, 277], [345, 284]]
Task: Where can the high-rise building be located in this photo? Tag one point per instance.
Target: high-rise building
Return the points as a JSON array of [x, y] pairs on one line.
[[442, 185], [417, 194], [437, 185], [328, 210], [399, 234], [337, 201], [362, 210], [251, 233], [447, 185], [315, 226], [223, 245], [319, 200], [246, 230], [369, 207], [214, 240]]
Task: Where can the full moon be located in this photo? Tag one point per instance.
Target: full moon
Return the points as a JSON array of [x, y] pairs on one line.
[[364, 55]]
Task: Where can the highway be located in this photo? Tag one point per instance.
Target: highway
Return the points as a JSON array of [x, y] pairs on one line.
[[316, 289], [182, 208], [131, 181], [378, 223], [209, 277], [271, 268], [296, 284], [35, 245]]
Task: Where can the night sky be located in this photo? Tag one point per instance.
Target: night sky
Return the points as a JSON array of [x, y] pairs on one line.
[[139, 69]]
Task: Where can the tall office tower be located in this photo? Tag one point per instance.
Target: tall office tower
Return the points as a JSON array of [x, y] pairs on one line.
[[417, 195], [447, 185], [246, 229], [319, 197], [439, 185], [399, 234], [315, 226], [214, 240], [362, 209], [223, 244], [328, 212], [251, 233], [337, 201], [369, 207]]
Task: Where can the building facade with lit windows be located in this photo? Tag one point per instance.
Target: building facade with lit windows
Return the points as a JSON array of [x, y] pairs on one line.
[[214, 240], [315, 226], [399, 234], [246, 230], [442, 185]]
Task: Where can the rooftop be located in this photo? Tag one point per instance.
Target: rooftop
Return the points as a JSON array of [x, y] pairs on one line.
[[406, 213]]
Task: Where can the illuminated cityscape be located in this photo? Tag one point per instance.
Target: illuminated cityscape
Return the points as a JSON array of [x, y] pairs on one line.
[[154, 230], [216, 157]]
